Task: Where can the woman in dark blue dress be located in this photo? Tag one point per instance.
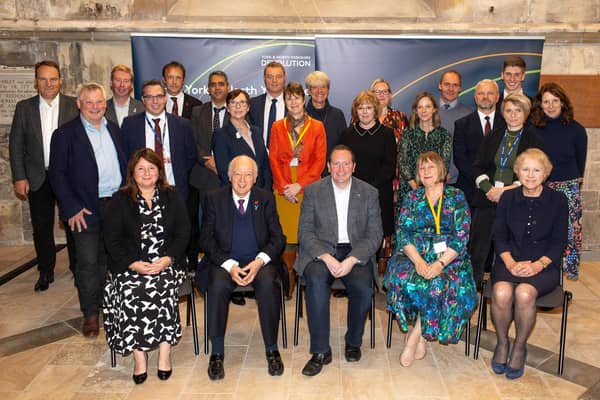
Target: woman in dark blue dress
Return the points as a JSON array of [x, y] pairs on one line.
[[238, 138], [530, 236]]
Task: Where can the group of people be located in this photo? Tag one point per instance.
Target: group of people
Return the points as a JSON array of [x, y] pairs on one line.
[[144, 187]]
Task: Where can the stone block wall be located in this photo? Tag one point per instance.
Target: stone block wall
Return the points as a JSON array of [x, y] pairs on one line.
[[88, 37]]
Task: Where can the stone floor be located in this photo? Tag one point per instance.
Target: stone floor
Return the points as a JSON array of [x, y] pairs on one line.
[[43, 355]]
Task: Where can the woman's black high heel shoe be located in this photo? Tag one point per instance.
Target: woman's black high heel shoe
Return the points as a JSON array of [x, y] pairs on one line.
[[141, 378], [164, 375]]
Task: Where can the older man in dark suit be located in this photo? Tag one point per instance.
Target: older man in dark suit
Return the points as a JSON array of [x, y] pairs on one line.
[[33, 124], [122, 105], [339, 233], [470, 130], [242, 241], [87, 165], [168, 135]]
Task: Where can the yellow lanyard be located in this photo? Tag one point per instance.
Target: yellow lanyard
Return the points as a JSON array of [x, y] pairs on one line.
[[306, 126], [436, 215]]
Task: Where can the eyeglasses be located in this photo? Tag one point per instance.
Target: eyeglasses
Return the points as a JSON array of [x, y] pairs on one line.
[[341, 164], [148, 97], [381, 91], [240, 103]]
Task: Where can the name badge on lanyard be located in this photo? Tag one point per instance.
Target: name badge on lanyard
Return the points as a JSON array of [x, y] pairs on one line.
[[438, 247]]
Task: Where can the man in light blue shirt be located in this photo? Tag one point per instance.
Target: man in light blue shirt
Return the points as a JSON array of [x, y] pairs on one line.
[[87, 165]]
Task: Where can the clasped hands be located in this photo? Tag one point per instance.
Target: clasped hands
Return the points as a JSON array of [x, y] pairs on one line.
[[290, 192], [151, 268], [243, 276], [429, 271], [525, 268], [338, 268]]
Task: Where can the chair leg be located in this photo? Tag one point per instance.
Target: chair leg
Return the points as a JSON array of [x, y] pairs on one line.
[[297, 313], [192, 309], [563, 332], [468, 338], [113, 358], [481, 315], [388, 340], [283, 320], [205, 323], [372, 314]]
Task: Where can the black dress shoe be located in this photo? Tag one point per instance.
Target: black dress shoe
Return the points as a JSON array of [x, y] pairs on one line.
[[141, 378], [352, 353], [164, 375], [43, 282], [238, 299], [274, 363], [315, 364], [215, 367]]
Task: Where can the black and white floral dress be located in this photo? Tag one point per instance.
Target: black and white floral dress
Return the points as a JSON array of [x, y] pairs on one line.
[[140, 311]]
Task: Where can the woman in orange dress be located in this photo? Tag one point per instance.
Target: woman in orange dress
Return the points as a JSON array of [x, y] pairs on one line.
[[297, 153]]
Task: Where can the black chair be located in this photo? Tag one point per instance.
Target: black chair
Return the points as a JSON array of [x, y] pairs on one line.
[[185, 290], [250, 288], [337, 284], [392, 317], [557, 298]]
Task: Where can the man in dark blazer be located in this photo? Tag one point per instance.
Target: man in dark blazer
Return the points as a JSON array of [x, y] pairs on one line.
[[205, 120], [513, 74], [87, 165], [122, 105], [242, 241], [155, 128], [178, 103], [33, 124], [470, 130], [269, 107], [339, 234]]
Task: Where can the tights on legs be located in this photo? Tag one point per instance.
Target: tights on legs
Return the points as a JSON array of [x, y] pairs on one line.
[[523, 297], [525, 313]]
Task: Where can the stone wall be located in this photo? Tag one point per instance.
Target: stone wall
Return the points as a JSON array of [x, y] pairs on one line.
[[88, 37]]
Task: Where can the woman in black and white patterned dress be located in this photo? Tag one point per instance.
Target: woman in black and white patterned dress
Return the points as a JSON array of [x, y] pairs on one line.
[[146, 234]]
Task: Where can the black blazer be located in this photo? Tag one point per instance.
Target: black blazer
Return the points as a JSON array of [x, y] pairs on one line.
[[217, 229], [189, 102], [226, 146], [122, 230], [256, 115], [468, 136], [485, 161]]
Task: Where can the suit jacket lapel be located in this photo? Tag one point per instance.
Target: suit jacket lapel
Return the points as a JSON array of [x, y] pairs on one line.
[[329, 204], [353, 208]]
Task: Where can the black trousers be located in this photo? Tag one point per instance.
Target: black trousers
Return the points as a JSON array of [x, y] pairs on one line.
[[91, 267], [481, 243], [193, 205], [41, 208], [266, 287]]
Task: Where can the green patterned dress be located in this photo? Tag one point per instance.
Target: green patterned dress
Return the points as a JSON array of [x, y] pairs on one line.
[[444, 303]]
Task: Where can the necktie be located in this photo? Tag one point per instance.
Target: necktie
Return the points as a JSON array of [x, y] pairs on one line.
[[158, 147], [488, 128], [216, 118], [272, 116], [241, 206], [175, 107]]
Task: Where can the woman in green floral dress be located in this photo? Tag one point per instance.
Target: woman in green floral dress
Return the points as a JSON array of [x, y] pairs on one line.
[[425, 133], [429, 278]]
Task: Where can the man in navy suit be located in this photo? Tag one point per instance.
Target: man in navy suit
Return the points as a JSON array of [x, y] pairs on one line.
[[34, 122], [339, 233], [164, 133], [242, 241], [178, 103], [513, 75], [470, 130], [269, 107], [87, 165]]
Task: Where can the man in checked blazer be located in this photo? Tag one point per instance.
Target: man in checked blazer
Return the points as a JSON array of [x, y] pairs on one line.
[[33, 124], [339, 233]]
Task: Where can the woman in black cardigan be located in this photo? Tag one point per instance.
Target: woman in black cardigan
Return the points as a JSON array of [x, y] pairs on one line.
[[146, 230], [493, 172]]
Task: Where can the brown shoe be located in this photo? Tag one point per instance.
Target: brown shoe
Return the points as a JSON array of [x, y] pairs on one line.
[[90, 326]]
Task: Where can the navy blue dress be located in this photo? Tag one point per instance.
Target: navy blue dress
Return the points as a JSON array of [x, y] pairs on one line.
[[529, 228]]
